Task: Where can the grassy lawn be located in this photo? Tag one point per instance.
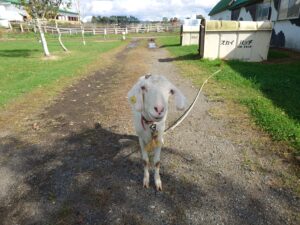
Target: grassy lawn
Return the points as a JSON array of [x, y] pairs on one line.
[[23, 67], [271, 91], [88, 36]]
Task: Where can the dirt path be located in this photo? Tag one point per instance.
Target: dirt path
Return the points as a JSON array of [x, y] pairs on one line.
[[65, 166]]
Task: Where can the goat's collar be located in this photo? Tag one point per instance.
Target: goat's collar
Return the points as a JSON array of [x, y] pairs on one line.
[[145, 121]]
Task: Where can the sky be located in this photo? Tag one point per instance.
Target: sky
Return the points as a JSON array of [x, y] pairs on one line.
[[146, 9]]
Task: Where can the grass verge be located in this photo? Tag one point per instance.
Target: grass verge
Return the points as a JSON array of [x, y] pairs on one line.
[[270, 91]]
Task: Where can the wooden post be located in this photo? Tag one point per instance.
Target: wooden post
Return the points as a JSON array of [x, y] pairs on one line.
[[10, 27], [116, 31], [105, 33], [22, 30], [94, 32], [70, 31]]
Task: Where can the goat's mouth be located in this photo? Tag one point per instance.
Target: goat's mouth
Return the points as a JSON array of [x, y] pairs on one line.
[[156, 118]]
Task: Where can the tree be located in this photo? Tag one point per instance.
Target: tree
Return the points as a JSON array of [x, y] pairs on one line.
[[53, 13], [120, 20], [165, 19], [40, 10], [77, 3]]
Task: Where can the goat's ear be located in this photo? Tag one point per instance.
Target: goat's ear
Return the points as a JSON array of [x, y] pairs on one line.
[[180, 100], [135, 97]]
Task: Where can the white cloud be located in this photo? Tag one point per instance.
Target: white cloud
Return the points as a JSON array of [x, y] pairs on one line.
[[147, 9]]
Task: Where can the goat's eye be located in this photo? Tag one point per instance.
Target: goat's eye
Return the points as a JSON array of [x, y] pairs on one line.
[[143, 88], [172, 92]]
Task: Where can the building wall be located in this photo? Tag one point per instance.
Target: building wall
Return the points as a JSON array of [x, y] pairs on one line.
[[225, 15], [285, 34], [10, 12]]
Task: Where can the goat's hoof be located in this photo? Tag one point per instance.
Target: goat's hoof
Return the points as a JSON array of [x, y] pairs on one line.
[[146, 183], [158, 185]]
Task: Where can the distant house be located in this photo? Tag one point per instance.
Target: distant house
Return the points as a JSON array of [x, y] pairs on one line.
[[284, 14], [11, 10], [67, 16]]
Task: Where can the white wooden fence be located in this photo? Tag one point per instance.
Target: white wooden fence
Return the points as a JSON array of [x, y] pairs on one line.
[[139, 28]]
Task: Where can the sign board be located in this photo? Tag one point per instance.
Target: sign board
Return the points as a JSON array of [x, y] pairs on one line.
[[238, 40]]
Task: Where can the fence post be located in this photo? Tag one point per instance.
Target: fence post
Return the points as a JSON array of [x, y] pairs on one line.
[[70, 31], [105, 32], [94, 32], [22, 30], [10, 26], [116, 31]]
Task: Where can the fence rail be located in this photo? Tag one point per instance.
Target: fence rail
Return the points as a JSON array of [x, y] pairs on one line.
[[140, 28]]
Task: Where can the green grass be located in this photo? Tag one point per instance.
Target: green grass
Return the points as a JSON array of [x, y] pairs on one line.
[[271, 92], [88, 36], [276, 54], [23, 68]]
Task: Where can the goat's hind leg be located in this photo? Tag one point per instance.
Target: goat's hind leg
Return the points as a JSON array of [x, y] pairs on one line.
[[156, 162], [145, 158]]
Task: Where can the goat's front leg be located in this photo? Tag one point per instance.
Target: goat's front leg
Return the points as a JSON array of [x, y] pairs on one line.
[[156, 162], [146, 164]]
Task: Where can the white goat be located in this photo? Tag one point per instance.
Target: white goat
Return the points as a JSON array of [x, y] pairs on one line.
[[149, 101]]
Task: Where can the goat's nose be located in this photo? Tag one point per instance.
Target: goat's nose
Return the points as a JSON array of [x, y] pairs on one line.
[[159, 109]]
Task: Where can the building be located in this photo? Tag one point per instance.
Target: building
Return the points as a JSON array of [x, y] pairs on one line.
[[284, 14], [11, 10], [67, 16]]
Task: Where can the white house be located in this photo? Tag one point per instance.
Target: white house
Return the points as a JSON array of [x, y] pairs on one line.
[[284, 14], [11, 10]]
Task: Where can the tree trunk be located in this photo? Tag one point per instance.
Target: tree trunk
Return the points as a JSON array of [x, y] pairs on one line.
[[79, 18], [43, 39], [59, 37], [82, 33]]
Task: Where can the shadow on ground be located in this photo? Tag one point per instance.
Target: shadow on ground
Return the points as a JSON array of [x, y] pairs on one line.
[[87, 178], [190, 56], [170, 45], [17, 52]]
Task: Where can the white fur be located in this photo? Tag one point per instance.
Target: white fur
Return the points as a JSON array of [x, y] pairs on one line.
[[149, 97]]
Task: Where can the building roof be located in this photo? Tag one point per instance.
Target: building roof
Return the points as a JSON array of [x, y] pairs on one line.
[[18, 2], [68, 12], [239, 3], [220, 6], [230, 4]]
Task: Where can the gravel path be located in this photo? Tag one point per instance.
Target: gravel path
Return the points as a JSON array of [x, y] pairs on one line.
[[66, 166]]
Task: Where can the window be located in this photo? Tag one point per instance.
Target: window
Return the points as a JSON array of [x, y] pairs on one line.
[[262, 12], [289, 9]]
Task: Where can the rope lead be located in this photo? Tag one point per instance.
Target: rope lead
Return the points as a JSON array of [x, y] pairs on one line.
[[185, 114]]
